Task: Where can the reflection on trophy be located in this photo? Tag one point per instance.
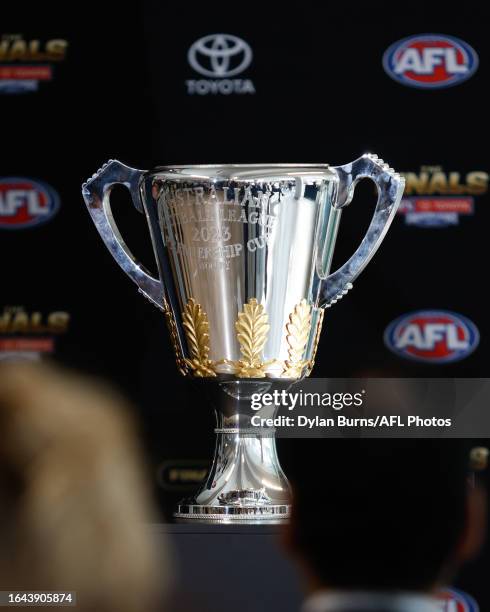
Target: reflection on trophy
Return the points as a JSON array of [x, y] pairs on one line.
[[243, 254]]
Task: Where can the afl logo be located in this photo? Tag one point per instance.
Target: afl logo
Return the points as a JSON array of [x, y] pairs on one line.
[[452, 600], [432, 336], [219, 55], [430, 61], [26, 203]]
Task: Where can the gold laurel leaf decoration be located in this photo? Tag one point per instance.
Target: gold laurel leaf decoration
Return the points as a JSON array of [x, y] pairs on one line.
[[298, 333], [319, 324], [252, 328], [174, 337], [196, 326]]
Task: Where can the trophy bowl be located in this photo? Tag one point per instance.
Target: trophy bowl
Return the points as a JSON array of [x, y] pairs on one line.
[[243, 255]]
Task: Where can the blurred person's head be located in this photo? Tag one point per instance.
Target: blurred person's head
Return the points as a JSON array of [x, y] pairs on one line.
[[74, 503], [383, 515]]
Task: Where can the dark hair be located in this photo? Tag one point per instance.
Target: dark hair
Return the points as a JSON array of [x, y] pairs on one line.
[[378, 514]]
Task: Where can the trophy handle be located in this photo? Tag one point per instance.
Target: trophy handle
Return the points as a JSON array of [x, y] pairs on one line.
[[390, 187], [96, 193]]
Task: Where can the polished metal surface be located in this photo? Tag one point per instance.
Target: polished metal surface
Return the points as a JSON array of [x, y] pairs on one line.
[[244, 255], [390, 189], [241, 247], [245, 481], [238, 233], [96, 192]]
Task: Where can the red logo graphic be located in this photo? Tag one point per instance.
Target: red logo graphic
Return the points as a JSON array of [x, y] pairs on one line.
[[435, 211], [25, 203], [435, 336], [430, 61], [452, 600]]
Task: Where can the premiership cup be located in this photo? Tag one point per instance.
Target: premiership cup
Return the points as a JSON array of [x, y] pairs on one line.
[[243, 255]]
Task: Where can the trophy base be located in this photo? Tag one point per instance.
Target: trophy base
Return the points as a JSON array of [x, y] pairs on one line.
[[244, 515], [245, 483]]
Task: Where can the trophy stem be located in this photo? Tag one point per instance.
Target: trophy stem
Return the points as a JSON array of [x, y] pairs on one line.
[[245, 483]]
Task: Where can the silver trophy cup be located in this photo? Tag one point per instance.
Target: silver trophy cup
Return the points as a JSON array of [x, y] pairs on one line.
[[243, 255]]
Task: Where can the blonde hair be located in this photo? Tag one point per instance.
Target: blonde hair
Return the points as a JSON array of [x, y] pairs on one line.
[[74, 502]]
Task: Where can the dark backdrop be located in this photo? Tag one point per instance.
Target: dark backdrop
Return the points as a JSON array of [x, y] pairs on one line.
[[321, 95]]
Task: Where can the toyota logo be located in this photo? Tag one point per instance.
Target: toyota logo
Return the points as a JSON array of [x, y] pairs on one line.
[[219, 55]]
